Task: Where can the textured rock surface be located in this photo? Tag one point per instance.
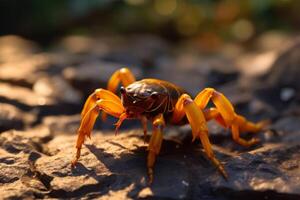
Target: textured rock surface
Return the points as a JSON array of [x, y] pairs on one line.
[[42, 94], [33, 163], [280, 87], [14, 118]]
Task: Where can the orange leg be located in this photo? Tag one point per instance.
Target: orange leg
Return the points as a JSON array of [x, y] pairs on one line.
[[95, 96], [124, 76], [243, 125], [186, 106], [155, 144], [178, 112], [226, 115], [108, 103], [144, 125], [213, 113]]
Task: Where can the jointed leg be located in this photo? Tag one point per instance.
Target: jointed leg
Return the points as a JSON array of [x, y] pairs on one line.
[[155, 144], [124, 76], [250, 126], [97, 95], [178, 112], [226, 116], [109, 105], [222, 104], [144, 125], [213, 113], [197, 121]]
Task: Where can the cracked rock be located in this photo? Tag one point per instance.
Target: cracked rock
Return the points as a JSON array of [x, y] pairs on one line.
[[113, 166]]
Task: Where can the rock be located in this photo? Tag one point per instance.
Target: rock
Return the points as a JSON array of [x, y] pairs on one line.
[[17, 190], [271, 40], [110, 163], [287, 129], [13, 48], [279, 87], [194, 73], [25, 141], [267, 172], [24, 72], [14, 118], [264, 53], [82, 44], [62, 124], [96, 76], [138, 50], [256, 64], [23, 95], [284, 72], [19, 150], [57, 88], [114, 166], [12, 166], [47, 98], [135, 50]]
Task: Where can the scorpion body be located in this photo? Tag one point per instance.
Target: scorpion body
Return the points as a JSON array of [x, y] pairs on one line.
[[163, 98]]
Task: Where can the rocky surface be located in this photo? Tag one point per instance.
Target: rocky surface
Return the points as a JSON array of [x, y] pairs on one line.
[[41, 95]]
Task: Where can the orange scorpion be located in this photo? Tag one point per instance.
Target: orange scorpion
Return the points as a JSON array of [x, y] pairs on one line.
[[163, 103]]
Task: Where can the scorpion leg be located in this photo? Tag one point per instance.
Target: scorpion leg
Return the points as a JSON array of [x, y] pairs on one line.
[[144, 125], [178, 112], [209, 114], [110, 106], [123, 75], [155, 144], [213, 113], [186, 106], [224, 114], [199, 129], [95, 96]]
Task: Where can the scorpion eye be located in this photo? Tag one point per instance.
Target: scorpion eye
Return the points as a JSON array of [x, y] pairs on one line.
[[122, 90], [154, 95]]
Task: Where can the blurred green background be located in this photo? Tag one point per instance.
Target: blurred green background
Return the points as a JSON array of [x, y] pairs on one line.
[[211, 22]]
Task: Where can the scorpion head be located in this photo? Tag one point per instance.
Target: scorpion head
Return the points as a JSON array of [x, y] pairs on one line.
[[139, 100]]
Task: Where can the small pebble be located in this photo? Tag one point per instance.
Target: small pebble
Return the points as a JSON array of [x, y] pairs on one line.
[[287, 94], [185, 183]]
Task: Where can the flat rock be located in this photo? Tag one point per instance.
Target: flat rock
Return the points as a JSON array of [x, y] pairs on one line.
[[56, 87], [26, 71], [23, 95], [13, 118], [14, 48], [115, 166], [19, 150], [269, 172], [62, 124]]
